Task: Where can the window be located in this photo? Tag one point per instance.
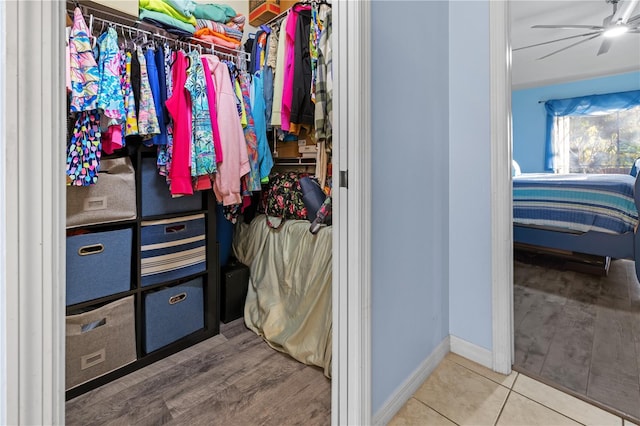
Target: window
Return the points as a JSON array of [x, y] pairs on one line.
[[593, 134], [602, 143]]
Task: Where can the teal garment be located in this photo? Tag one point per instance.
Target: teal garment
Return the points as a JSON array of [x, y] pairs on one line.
[[110, 98], [186, 7], [259, 119], [167, 20], [215, 12], [203, 156]]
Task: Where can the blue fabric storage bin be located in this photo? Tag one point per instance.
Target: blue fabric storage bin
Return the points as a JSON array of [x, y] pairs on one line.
[[172, 248], [172, 313], [98, 265], [156, 197]]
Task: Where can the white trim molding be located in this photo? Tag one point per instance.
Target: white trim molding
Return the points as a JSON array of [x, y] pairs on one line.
[[351, 387], [4, 133], [501, 196], [471, 351], [405, 391], [34, 211]]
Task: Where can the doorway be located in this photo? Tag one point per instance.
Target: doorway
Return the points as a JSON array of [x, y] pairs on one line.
[[573, 314], [34, 208]]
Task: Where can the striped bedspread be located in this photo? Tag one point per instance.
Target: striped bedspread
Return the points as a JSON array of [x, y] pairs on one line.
[[576, 202]]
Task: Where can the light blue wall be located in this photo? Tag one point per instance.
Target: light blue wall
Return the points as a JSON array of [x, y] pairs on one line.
[[529, 117], [470, 173], [410, 133]]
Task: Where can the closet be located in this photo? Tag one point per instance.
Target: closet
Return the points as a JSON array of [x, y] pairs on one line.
[[150, 260]]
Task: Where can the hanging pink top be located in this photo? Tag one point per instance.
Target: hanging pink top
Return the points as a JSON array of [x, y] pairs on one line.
[[236, 160], [289, 55], [287, 86], [179, 106], [211, 97]]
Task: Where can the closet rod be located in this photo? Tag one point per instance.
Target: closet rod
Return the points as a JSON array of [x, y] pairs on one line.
[[191, 42], [276, 19], [239, 56]]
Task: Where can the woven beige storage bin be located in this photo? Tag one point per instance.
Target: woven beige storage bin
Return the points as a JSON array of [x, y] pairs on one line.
[[100, 341], [112, 199]]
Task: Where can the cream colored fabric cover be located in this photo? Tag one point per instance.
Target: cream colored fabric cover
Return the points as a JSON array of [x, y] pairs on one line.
[[289, 298]]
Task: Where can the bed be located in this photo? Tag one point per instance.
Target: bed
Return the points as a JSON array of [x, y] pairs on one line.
[[289, 297], [593, 214]]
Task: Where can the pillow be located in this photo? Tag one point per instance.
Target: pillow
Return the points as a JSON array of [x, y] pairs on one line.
[[635, 168], [312, 195], [515, 168]]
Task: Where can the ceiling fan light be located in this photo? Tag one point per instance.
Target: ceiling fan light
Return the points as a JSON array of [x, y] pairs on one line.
[[615, 31]]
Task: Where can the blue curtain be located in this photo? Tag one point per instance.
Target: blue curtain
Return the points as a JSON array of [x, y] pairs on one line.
[[585, 105]]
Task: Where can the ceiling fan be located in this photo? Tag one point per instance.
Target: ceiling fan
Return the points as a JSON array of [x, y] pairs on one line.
[[614, 25]]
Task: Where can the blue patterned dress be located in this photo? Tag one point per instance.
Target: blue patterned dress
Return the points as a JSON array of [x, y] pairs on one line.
[[203, 156]]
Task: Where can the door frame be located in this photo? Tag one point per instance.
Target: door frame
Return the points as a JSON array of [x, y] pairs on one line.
[[33, 200], [501, 187], [32, 212], [351, 384]]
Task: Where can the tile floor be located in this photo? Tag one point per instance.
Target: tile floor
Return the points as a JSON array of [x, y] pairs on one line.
[[461, 392]]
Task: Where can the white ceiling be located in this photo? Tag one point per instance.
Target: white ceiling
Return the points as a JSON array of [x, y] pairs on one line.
[[576, 63]]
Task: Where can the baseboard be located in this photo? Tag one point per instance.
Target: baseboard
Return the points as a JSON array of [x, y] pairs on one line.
[[471, 351], [406, 390]]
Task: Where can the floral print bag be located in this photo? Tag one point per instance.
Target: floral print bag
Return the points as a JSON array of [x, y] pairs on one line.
[[283, 199]]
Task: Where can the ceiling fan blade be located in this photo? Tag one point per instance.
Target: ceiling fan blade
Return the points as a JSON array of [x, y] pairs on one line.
[[624, 11], [634, 19], [570, 27], [570, 46], [556, 40], [605, 46]]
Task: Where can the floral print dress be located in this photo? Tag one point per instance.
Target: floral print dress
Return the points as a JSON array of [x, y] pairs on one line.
[[203, 157], [84, 147]]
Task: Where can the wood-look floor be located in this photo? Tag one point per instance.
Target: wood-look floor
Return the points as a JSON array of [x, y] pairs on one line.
[[580, 331], [234, 378]]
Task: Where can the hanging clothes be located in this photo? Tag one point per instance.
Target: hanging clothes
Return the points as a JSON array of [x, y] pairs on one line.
[[110, 98], [324, 85], [83, 67], [243, 110], [203, 158], [158, 92], [136, 81], [164, 151], [278, 80], [83, 153], [314, 39], [131, 121], [236, 163], [289, 68], [84, 147], [302, 109], [259, 117], [147, 119], [268, 73], [213, 114], [179, 106], [251, 179]]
